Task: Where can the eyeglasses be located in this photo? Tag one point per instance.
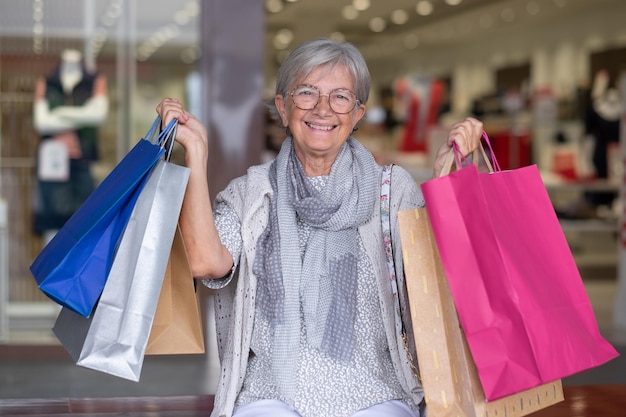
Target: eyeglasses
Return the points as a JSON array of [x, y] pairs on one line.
[[341, 101]]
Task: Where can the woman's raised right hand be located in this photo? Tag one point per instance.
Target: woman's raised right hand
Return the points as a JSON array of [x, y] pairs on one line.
[[190, 133]]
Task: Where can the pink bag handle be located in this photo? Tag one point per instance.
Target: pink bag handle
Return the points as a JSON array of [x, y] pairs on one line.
[[493, 159], [459, 158]]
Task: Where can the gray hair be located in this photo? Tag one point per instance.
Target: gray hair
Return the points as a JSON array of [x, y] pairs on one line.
[[317, 53]]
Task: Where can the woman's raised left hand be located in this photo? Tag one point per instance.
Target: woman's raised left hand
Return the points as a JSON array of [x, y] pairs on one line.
[[466, 134]]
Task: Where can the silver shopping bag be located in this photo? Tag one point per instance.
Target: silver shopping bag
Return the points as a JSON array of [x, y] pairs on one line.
[[114, 339]]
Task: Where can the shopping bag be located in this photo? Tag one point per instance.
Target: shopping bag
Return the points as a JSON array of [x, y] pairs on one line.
[[177, 328], [72, 268], [519, 295], [115, 338], [448, 374]]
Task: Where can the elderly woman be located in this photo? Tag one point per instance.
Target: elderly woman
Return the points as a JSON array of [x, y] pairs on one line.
[[306, 316]]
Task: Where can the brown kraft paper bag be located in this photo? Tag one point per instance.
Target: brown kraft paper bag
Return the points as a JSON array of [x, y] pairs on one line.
[[448, 374], [177, 328]]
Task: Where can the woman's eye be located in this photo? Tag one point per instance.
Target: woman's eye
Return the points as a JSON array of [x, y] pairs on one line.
[[305, 92]]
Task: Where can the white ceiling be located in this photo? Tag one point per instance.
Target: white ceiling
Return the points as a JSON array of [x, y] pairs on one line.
[[447, 27], [176, 22]]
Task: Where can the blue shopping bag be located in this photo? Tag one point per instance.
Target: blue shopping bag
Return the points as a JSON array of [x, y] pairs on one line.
[[73, 267]]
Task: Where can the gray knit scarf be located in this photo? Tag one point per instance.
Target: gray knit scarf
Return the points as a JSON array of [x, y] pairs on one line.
[[320, 284]]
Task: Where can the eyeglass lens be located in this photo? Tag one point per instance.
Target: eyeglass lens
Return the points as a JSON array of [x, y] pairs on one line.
[[340, 101]]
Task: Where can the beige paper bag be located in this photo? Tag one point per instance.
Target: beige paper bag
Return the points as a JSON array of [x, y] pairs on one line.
[[448, 374], [177, 328]]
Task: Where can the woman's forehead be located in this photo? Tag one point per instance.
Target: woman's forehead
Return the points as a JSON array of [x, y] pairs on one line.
[[329, 73]]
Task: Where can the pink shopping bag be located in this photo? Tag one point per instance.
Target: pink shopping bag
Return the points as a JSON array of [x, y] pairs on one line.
[[518, 292]]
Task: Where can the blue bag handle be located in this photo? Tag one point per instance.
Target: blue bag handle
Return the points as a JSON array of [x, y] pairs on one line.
[[152, 134], [163, 138], [169, 138]]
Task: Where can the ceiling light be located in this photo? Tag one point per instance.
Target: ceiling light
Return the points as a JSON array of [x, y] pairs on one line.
[[377, 24], [38, 28], [181, 17], [171, 31], [399, 17], [424, 7], [361, 5], [349, 13], [192, 8], [280, 44], [273, 6], [453, 2], [283, 38], [38, 15]]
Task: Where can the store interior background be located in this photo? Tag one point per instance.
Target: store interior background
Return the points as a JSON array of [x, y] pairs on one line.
[[482, 52]]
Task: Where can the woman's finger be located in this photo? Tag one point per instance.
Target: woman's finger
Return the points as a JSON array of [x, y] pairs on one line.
[[466, 135], [171, 108]]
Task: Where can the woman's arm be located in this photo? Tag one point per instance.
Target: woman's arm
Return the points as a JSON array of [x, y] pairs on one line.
[[208, 257]]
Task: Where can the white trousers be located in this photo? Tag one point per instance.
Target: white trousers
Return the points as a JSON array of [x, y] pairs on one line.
[[275, 408]]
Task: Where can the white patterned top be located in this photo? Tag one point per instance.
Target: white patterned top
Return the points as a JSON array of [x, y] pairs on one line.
[[329, 387]]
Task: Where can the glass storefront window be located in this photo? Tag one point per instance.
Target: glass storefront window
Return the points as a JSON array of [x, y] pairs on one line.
[[137, 51]]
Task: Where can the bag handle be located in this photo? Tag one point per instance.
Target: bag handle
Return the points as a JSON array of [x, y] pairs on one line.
[[169, 138], [153, 133], [164, 138], [457, 157], [160, 137]]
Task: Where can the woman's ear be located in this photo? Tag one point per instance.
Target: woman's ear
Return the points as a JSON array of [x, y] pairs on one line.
[[282, 110], [358, 115]]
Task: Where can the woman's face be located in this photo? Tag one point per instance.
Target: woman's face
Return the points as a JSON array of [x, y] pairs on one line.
[[320, 131]]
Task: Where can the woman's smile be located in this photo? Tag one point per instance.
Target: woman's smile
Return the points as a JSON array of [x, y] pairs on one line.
[[320, 127]]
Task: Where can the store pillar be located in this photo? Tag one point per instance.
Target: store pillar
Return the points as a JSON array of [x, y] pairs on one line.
[[231, 71], [233, 50]]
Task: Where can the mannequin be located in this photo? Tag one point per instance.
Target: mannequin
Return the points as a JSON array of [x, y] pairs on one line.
[[69, 105]]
